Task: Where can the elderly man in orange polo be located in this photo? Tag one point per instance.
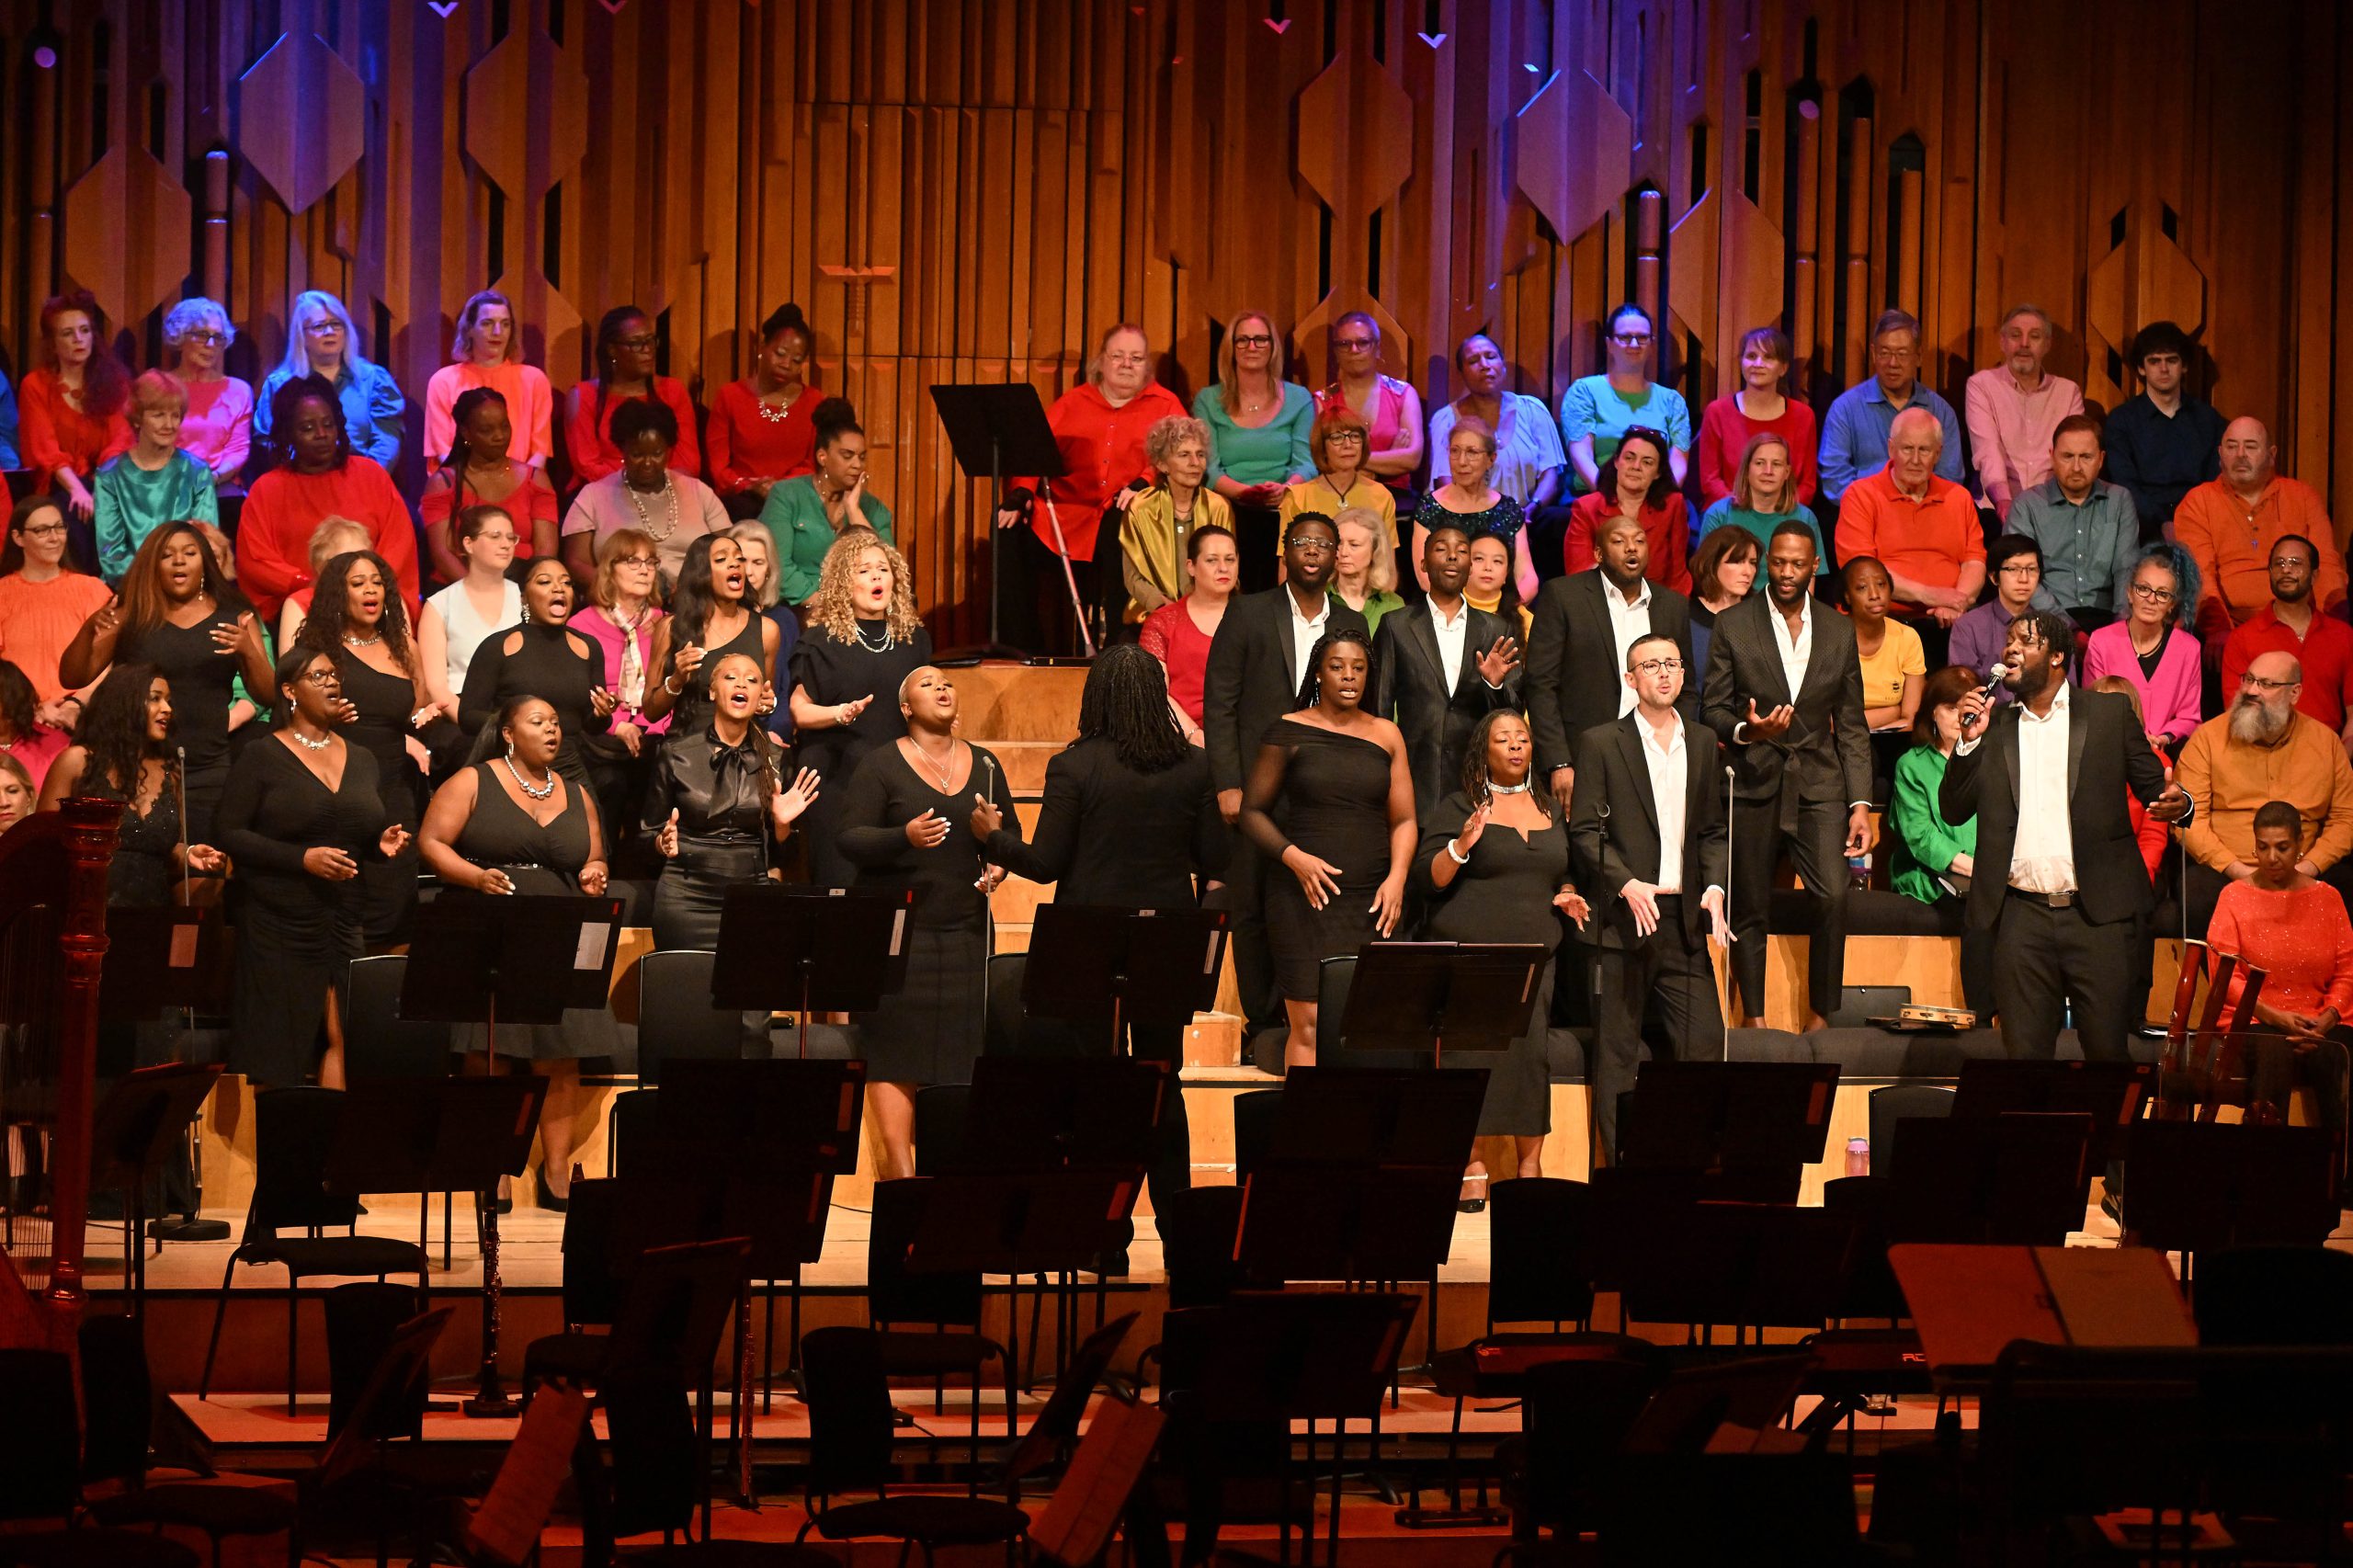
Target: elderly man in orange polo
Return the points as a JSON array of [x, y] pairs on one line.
[[2230, 526], [1922, 528]]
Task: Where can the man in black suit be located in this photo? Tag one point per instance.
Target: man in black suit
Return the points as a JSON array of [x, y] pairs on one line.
[[1258, 663], [2059, 877], [1647, 829], [1785, 693], [1440, 666], [1576, 647]]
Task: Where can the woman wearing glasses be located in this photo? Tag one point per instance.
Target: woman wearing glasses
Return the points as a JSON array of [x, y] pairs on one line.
[[2150, 648], [321, 341], [44, 602], [1391, 410], [219, 426], [1597, 411], [624, 375], [1336, 444], [1259, 428]]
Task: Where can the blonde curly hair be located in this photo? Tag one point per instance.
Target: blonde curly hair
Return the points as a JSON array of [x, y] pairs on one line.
[[830, 605]]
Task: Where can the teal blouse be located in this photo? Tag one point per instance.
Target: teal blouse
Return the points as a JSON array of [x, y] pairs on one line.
[[1272, 453], [1925, 843], [1724, 514], [132, 503], [795, 518]]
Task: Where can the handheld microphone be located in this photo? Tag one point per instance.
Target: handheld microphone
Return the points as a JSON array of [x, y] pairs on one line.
[[1997, 672]]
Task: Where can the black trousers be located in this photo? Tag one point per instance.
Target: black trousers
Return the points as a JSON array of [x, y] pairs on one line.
[[1817, 847], [2054, 961], [1244, 898], [1671, 966]]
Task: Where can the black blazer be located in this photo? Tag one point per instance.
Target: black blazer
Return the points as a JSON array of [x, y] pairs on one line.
[[1111, 836], [2106, 755], [1826, 751], [1409, 686], [1576, 673], [1613, 825], [1248, 685]]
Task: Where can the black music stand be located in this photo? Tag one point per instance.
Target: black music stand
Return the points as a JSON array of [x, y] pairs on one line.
[[2018, 1179], [830, 949], [2113, 1094], [1741, 1132], [2201, 1185], [1055, 1113], [132, 1131], [995, 427], [159, 959], [1441, 996], [1090, 964]]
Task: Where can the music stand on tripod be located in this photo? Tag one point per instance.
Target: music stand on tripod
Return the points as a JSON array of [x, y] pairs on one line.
[[824, 949], [133, 1128], [159, 959], [516, 959], [993, 429], [1441, 996], [1090, 964]]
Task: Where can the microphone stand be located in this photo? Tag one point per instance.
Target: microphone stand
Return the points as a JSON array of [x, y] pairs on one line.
[[191, 1227], [1731, 972]]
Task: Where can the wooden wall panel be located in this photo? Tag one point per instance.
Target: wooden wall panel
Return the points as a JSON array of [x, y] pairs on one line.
[[961, 189]]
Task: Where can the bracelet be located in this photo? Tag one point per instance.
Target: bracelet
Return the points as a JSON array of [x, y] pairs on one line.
[[841, 713], [1455, 854], [670, 684]]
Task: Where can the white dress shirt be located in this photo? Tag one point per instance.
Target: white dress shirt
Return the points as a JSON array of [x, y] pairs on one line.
[[1670, 770], [1629, 619], [1451, 635], [2042, 859], [1797, 654], [1303, 635]]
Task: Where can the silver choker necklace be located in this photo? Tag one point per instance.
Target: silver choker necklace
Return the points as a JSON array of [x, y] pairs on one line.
[[535, 792], [1493, 788], [362, 641]]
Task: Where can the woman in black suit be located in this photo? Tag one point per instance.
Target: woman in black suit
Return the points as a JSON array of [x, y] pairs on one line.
[[1129, 822]]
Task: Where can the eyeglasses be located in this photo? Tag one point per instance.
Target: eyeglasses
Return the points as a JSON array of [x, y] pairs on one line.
[[637, 561], [1352, 344], [1630, 339], [1890, 354], [1354, 437], [2155, 594], [2021, 569], [1306, 544], [43, 530], [320, 677], [2268, 686], [1255, 340], [326, 328], [1657, 666], [205, 334]]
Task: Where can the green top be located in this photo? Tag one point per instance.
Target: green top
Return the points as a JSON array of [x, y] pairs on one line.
[[1272, 453], [796, 518], [1375, 607], [131, 502], [1723, 514], [1925, 843]]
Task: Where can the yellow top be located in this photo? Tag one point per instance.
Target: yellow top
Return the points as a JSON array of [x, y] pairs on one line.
[[1152, 546], [1316, 494], [1899, 654]]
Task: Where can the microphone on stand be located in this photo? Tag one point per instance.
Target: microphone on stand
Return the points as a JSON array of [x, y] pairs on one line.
[[180, 788]]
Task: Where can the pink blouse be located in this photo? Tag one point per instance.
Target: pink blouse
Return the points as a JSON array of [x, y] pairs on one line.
[[2169, 699], [219, 430], [530, 408], [1386, 425]]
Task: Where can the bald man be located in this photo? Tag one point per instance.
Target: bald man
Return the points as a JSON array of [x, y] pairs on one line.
[[2231, 525], [1922, 526]]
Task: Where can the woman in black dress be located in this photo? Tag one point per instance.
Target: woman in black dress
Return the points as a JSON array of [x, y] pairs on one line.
[[1129, 822], [510, 823], [301, 814], [1494, 863], [713, 612], [359, 620], [179, 612], [544, 658], [123, 750], [863, 640], [1329, 796], [919, 814]]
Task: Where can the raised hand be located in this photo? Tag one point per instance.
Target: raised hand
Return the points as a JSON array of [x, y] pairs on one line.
[[1319, 879], [1472, 826], [685, 663], [786, 804], [1501, 658], [927, 831], [1769, 726], [239, 639], [987, 816], [1976, 710], [108, 621], [393, 840], [847, 713]]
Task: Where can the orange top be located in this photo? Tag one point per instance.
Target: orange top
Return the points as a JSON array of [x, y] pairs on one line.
[[530, 408], [57, 436], [1924, 538], [2230, 541], [37, 622]]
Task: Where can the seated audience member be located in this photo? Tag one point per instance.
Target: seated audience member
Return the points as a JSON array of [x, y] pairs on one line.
[[2085, 529], [759, 430], [1597, 411], [2014, 409], [1933, 860], [1893, 664], [1156, 531], [70, 409], [1731, 424], [808, 515], [1855, 432], [321, 341], [1179, 633], [2262, 750], [478, 472], [22, 734], [1335, 444], [625, 342], [1524, 445], [152, 483], [1636, 484], [333, 537], [1722, 573], [1472, 498], [2277, 919], [2153, 835], [44, 602], [320, 478], [1439, 667], [2161, 440], [18, 794], [649, 491], [1258, 429], [1390, 409], [1364, 574], [2229, 526], [624, 607], [2321, 644], [218, 426], [2148, 649], [1764, 496], [1922, 529], [456, 619], [1491, 587], [2015, 563], [488, 352]]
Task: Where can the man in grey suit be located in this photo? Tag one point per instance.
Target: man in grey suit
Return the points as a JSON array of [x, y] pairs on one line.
[[1440, 666], [1258, 663], [1785, 691]]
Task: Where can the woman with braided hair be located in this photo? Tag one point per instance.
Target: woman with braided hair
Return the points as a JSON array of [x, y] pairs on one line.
[[482, 472], [1330, 797]]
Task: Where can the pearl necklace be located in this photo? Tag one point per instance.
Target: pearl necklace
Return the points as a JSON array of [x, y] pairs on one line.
[[307, 743], [537, 792], [669, 508]]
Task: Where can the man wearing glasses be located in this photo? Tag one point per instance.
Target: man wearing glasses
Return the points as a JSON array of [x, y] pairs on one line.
[[1854, 433], [1646, 838], [1978, 637], [1597, 411], [2292, 623]]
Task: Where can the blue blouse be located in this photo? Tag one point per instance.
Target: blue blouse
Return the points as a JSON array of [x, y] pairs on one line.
[[372, 407]]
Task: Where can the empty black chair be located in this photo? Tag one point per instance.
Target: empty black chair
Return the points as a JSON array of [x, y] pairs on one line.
[[898, 1297], [939, 1126], [1541, 1270], [1574, 1413], [1256, 1112], [1892, 1103], [1197, 1233], [592, 1287], [294, 1133], [363, 1319], [2275, 1296]]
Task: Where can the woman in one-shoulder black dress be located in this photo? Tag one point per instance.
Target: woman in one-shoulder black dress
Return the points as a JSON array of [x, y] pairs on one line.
[[545, 658], [300, 817], [511, 824], [713, 613], [1330, 797], [862, 642]]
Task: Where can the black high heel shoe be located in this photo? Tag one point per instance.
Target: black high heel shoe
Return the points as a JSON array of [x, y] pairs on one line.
[[1473, 1200], [548, 1199]]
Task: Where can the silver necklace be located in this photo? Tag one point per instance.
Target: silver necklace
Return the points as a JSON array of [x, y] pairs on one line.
[[775, 413], [537, 792], [669, 508], [362, 641], [306, 742], [942, 774], [889, 638], [1519, 789]]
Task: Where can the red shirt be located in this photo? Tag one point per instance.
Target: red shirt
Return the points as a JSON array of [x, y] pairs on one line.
[[747, 443], [57, 436], [1725, 432], [526, 504], [1102, 450], [2325, 652], [589, 430], [285, 507], [1668, 526], [1170, 636], [1924, 538]]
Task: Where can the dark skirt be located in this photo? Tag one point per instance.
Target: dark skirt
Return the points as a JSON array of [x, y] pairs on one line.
[[930, 1031], [583, 1031], [388, 888], [693, 888], [1302, 938], [1520, 1081], [282, 977]]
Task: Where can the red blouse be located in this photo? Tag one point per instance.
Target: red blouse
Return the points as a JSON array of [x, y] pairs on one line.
[[747, 443], [1170, 636], [1668, 526], [525, 504], [57, 436], [1102, 450], [588, 429], [1724, 434], [286, 506]]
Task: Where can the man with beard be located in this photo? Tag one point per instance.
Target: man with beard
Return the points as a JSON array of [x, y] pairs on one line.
[[2263, 749], [2322, 645], [1258, 663], [2058, 879], [1785, 694], [1440, 666], [2229, 526]]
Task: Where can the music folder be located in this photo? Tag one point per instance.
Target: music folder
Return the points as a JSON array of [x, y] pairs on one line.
[[1968, 1302]]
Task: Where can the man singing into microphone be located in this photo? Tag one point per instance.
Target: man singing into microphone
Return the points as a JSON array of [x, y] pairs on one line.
[[2059, 875]]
